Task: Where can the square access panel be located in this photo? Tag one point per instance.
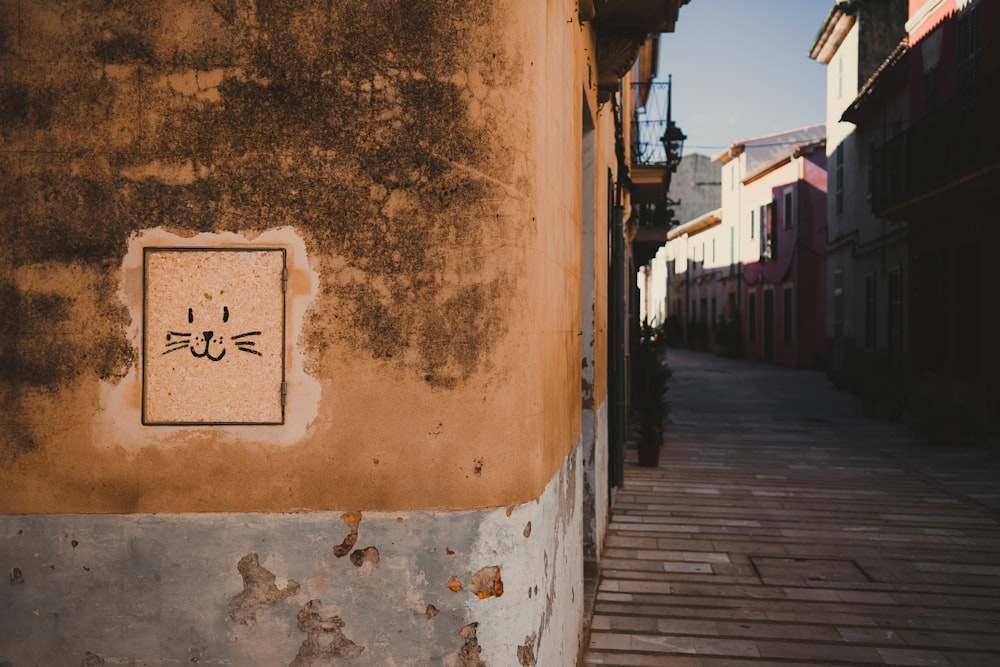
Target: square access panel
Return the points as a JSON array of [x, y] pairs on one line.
[[213, 342]]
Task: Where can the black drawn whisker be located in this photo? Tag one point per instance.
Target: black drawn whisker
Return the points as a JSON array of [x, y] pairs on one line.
[[179, 343], [179, 347], [244, 349], [244, 335], [177, 333], [248, 343]]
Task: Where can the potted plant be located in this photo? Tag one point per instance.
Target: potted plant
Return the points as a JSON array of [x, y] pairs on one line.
[[650, 376]]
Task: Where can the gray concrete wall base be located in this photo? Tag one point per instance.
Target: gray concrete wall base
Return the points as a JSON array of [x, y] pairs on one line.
[[487, 587]]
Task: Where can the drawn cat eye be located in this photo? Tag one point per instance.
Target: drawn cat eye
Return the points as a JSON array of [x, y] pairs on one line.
[[190, 316], [225, 313]]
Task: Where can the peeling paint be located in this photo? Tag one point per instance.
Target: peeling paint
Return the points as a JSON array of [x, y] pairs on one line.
[[470, 655], [366, 560], [526, 652], [352, 520], [259, 590], [325, 637], [16, 576], [486, 583]]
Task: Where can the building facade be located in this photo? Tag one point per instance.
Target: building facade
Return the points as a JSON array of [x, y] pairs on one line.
[[694, 189], [762, 176], [936, 174], [867, 256], [784, 290], [305, 351]]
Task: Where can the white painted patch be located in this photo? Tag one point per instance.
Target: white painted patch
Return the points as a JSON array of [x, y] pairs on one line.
[[119, 424]]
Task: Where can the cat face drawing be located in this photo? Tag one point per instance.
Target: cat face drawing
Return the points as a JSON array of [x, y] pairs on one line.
[[209, 343]]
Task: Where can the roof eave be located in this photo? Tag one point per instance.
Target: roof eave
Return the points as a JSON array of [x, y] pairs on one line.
[[831, 35]]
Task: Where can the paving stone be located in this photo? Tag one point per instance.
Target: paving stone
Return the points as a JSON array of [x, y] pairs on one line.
[[782, 527]]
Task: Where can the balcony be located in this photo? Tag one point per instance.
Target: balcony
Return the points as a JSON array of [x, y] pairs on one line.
[[656, 147], [953, 152], [657, 144], [622, 27]]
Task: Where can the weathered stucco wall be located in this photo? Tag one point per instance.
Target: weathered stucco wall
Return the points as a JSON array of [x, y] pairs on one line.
[[460, 589], [419, 164], [414, 157]]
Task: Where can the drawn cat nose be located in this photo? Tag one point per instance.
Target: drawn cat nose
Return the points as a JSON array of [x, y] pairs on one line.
[[208, 335]]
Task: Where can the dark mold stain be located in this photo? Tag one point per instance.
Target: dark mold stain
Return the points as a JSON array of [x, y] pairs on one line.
[[123, 48], [35, 356], [325, 637], [92, 660], [346, 119], [259, 590], [41, 351], [16, 576]]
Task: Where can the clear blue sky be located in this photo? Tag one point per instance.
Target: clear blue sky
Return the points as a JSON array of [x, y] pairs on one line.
[[741, 69]]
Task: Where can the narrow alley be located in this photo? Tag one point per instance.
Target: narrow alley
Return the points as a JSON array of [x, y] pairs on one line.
[[782, 527]]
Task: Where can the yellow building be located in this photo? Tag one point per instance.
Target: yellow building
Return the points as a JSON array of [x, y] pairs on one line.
[[305, 335]]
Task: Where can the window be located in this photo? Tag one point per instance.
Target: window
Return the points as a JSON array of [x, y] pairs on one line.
[[871, 313], [752, 318], [732, 250], [768, 245], [839, 179], [931, 94], [838, 303], [788, 210], [840, 76], [969, 47], [871, 168], [927, 303], [713, 251], [786, 315], [753, 224], [895, 325]]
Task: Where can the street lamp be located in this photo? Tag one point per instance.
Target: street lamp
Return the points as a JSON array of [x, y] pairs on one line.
[[673, 138]]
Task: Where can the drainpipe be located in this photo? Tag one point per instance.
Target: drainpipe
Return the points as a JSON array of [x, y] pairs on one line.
[[616, 328], [798, 263]]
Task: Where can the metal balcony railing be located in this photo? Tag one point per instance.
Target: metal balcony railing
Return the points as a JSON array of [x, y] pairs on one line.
[[955, 140], [649, 122]]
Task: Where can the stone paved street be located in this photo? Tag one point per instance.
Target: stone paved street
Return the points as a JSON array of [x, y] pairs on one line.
[[783, 528]]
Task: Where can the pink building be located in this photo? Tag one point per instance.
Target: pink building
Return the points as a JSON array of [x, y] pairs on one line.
[[937, 174], [783, 289]]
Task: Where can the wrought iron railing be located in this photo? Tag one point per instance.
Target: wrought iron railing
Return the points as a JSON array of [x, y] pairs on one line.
[[956, 139], [649, 122]]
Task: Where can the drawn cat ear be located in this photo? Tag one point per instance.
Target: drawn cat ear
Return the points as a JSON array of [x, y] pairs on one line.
[[190, 316], [225, 313]]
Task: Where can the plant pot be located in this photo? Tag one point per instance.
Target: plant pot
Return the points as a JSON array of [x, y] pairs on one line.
[[648, 448]]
